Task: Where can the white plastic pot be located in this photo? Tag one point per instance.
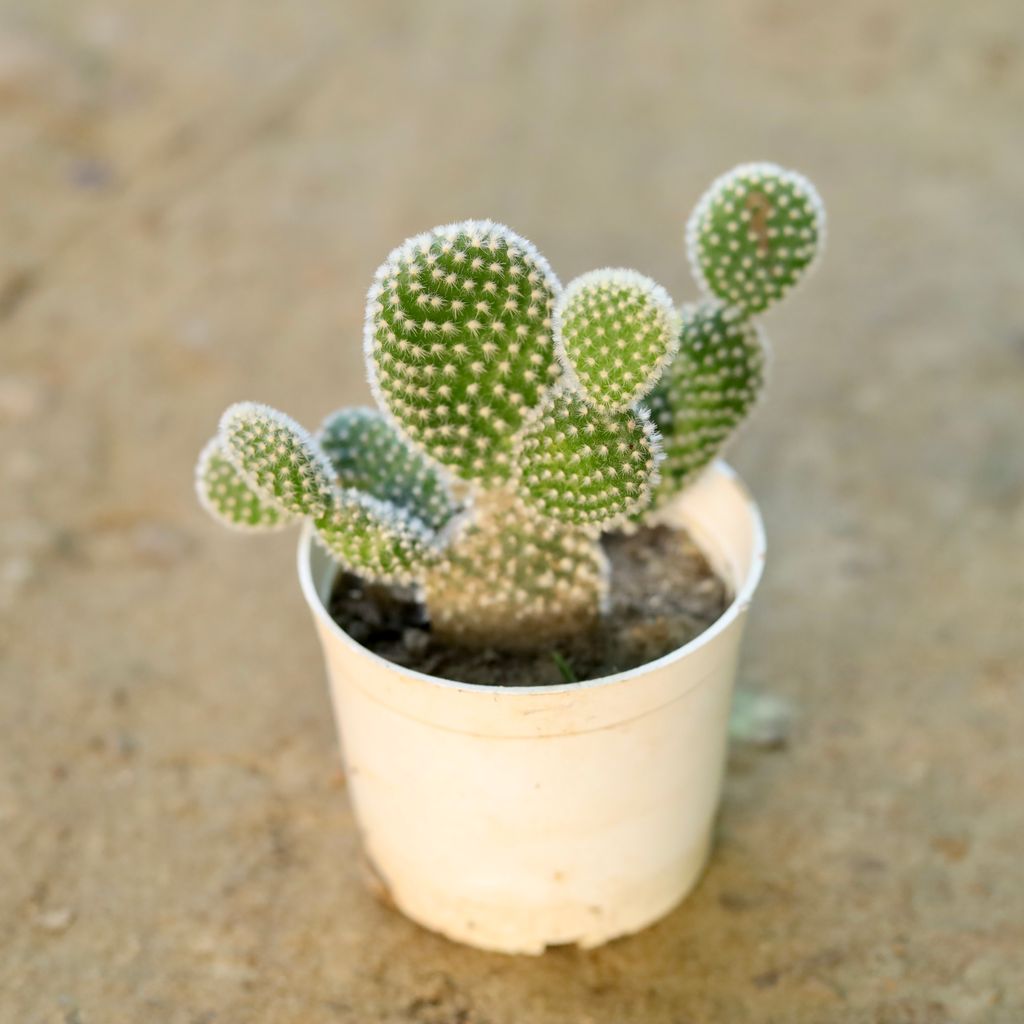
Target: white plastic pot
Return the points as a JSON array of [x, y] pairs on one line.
[[516, 818]]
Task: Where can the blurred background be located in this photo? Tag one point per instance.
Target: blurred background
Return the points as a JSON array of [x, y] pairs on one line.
[[194, 198]]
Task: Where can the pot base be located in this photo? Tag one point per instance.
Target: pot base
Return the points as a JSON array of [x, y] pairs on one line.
[[514, 930]]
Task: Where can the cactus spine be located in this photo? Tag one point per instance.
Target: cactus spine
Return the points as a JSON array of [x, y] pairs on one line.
[[513, 427]]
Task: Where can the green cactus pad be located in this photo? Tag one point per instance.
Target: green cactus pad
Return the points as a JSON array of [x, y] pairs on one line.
[[278, 459], [375, 539], [584, 467], [707, 391], [459, 342], [369, 454], [754, 234], [229, 499], [515, 583], [615, 331]]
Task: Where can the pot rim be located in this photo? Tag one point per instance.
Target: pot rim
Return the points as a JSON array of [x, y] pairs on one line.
[[740, 602]]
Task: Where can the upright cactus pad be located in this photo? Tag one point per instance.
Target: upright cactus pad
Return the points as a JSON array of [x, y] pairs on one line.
[[227, 497], [707, 390], [368, 454], [278, 459], [459, 341], [515, 582], [615, 331], [584, 467], [754, 234]]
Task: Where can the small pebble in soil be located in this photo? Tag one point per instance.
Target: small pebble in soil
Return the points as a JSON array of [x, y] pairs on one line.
[[663, 594]]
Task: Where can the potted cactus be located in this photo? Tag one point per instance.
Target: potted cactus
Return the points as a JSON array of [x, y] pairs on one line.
[[518, 423]]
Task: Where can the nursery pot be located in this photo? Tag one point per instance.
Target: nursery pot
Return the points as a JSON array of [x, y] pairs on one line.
[[516, 818]]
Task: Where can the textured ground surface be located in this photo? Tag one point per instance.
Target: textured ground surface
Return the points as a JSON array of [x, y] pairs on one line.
[[194, 197]]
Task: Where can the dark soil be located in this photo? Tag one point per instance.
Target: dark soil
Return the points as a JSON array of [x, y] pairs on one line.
[[663, 594]]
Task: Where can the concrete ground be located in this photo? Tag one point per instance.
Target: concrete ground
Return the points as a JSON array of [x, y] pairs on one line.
[[194, 197]]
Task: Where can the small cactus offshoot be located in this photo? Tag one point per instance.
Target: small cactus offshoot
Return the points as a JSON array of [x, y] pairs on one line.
[[617, 330], [517, 420]]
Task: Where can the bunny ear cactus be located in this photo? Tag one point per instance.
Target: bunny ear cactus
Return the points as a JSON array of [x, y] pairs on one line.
[[707, 392], [459, 342], [369, 455], [586, 468], [616, 331], [286, 474], [517, 421], [754, 234], [752, 237], [516, 581]]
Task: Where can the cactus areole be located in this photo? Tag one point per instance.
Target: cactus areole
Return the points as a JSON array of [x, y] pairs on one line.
[[517, 420]]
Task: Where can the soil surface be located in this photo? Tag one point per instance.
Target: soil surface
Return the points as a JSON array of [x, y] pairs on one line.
[[663, 594]]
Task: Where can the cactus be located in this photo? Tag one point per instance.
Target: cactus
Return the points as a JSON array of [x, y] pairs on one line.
[[227, 497], [586, 468], [278, 459], [707, 392], [516, 581], [617, 330], [369, 455], [285, 470], [754, 234], [512, 427], [459, 342]]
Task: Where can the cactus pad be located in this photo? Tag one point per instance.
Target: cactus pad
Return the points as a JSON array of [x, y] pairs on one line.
[[754, 234], [229, 499], [615, 331], [369, 454], [515, 582], [376, 539], [707, 390], [584, 467], [278, 458], [459, 342]]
